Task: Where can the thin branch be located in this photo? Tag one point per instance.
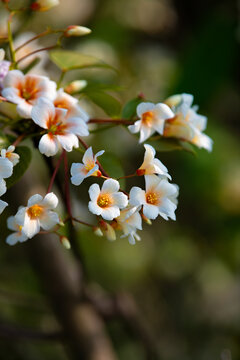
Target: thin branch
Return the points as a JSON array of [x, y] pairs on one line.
[[55, 172], [37, 51]]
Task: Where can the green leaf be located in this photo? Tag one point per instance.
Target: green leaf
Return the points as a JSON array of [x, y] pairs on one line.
[[25, 159], [129, 109], [170, 144], [71, 60], [113, 167], [108, 103], [5, 140]]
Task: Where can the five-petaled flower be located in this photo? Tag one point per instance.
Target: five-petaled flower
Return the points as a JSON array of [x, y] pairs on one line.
[[3, 189], [4, 67], [17, 235], [129, 221], [10, 155], [38, 213], [158, 199], [25, 90], [89, 167], [62, 131], [108, 201], [151, 165], [152, 118]]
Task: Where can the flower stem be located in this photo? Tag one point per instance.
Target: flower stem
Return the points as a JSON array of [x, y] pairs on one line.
[[82, 222], [67, 190], [111, 121], [55, 172], [37, 51]]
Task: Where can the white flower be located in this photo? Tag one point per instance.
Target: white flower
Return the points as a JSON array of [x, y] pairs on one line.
[[151, 165], [129, 222], [187, 124], [152, 118], [108, 201], [66, 101], [157, 199], [75, 86], [25, 90], [107, 230], [3, 189], [17, 236], [10, 155], [38, 214], [4, 67], [44, 5], [89, 167], [6, 168], [62, 130]]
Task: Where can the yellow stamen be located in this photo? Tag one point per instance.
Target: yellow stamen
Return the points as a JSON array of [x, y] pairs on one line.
[[35, 211], [147, 118], [104, 201], [152, 198]]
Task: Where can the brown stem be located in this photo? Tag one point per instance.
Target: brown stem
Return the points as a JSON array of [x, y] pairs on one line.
[[111, 121], [18, 140], [55, 172], [36, 51], [82, 222], [66, 184], [46, 32]]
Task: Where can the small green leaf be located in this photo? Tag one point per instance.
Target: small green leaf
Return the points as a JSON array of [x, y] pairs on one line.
[[25, 159], [170, 144], [70, 60], [108, 103], [113, 166], [129, 109]]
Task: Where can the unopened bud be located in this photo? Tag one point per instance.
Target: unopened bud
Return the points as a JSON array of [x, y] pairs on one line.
[[147, 220], [75, 86], [61, 223], [65, 242], [44, 5], [97, 231], [75, 30]]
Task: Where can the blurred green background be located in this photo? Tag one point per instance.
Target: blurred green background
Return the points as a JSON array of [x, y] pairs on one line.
[[184, 275]]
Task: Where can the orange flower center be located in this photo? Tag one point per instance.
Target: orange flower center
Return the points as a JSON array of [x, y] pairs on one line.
[[104, 201], [152, 198], [147, 118], [35, 211]]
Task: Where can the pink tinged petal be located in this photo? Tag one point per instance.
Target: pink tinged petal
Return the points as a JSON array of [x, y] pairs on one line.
[[42, 112], [48, 145], [49, 220], [24, 109], [94, 192], [88, 156], [94, 208], [11, 223], [144, 107], [12, 94], [3, 187], [30, 227], [150, 211], [13, 78], [137, 196], [50, 201], [120, 199], [68, 141], [110, 186], [135, 128], [6, 168], [145, 133], [110, 213], [3, 205], [35, 199], [77, 126]]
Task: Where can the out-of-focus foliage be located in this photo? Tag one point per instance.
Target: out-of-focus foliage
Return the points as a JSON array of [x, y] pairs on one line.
[[184, 274]]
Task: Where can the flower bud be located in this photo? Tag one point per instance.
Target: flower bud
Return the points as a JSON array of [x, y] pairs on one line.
[[75, 86], [97, 231], [147, 220], [65, 242], [61, 223], [75, 30], [44, 5]]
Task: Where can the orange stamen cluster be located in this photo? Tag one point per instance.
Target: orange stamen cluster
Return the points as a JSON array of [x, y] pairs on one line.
[[152, 198], [35, 211], [104, 201], [147, 118]]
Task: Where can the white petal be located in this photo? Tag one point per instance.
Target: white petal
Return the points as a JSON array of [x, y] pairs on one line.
[[94, 208], [68, 141], [3, 187], [2, 54], [110, 186], [150, 211], [94, 192], [110, 213], [42, 112], [144, 107], [50, 201], [149, 153], [13, 78], [158, 126], [152, 181], [6, 168], [168, 208], [12, 95], [135, 128], [88, 156], [35, 199], [99, 153], [11, 223], [49, 220], [166, 188], [20, 216], [120, 199], [78, 126], [163, 111], [137, 196], [76, 168], [145, 133], [48, 145], [3, 204], [15, 238], [77, 179], [135, 221], [24, 109], [30, 227]]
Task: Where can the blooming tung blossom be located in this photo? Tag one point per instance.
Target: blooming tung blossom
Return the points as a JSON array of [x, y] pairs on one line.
[[158, 199], [108, 201], [89, 167], [38, 213], [25, 90], [62, 131], [151, 165], [129, 221], [152, 118], [10, 155], [17, 235], [186, 123], [3, 189]]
